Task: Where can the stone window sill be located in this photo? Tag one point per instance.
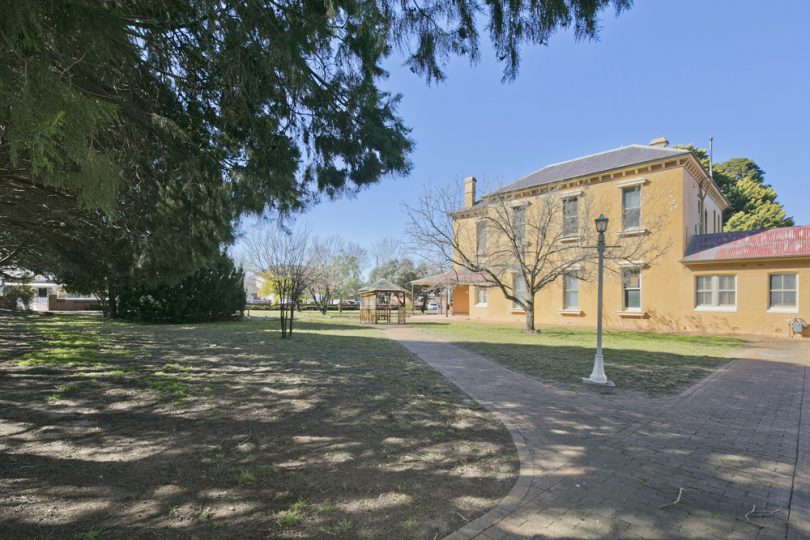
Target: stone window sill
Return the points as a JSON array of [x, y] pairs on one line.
[[571, 312], [633, 314], [633, 232], [783, 310]]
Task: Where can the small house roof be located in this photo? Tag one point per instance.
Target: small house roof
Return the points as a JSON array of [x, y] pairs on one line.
[[382, 285], [762, 244]]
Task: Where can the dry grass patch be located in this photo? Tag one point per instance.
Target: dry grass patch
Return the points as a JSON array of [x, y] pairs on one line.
[[225, 430]]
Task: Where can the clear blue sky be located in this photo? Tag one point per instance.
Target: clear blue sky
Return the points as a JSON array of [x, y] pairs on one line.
[[736, 70]]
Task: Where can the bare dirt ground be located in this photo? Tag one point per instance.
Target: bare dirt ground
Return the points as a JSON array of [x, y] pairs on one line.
[[111, 430]]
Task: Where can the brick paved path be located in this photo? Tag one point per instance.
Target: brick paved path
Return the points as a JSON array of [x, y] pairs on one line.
[[597, 466]]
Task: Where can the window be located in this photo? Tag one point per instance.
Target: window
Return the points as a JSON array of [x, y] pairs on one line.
[[481, 296], [519, 224], [631, 285], [481, 237], [570, 292], [520, 289], [714, 221], [782, 291], [718, 292], [631, 208], [570, 216]]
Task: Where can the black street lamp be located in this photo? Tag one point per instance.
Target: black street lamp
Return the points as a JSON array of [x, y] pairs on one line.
[[598, 375]]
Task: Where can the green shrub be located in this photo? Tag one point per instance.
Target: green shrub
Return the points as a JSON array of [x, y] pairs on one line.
[[17, 297], [214, 293]]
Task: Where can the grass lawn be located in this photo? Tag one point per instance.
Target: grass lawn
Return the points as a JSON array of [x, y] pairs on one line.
[[655, 364], [114, 430]]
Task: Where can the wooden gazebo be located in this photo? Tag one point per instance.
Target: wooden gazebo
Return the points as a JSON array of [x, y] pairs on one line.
[[380, 300]]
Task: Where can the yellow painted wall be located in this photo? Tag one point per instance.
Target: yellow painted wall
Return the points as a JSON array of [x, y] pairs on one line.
[[461, 300], [668, 286]]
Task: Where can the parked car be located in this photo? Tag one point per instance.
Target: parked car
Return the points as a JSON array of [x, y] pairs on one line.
[[433, 306]]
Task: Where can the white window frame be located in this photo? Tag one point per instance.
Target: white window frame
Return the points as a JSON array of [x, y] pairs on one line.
[[515, 305], [575, 232], [783, 309], [478, 290], [638, 309], [638, 226], [715, 293], [566, 308], [480, 225], [520, 238]]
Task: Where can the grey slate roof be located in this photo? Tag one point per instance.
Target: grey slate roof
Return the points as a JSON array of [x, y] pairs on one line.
[[594, 163]]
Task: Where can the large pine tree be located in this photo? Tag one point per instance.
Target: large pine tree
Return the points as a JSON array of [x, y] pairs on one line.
[[752, 202], [134, 134]]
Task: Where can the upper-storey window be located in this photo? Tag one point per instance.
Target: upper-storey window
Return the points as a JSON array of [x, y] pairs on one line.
[[519, 224], [570, 225], [631, 208], [481, 237]]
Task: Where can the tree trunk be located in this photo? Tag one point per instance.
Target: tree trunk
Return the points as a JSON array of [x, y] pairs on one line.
[[112, 303], [340, 305], [529, 310], [292, 316]]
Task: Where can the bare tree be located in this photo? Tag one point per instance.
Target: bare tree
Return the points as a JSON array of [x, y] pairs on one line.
[[519, 244], [279, 256], [323, 271], [335, 267], [385, 250], [349, 265]]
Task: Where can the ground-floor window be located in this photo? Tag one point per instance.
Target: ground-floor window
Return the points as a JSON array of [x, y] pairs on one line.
[[570, 291], [782, 291], [520, 289], [481, 295], [631, 286], [716, 292]]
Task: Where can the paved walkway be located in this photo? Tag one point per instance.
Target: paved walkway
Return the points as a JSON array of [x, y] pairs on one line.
[[597, 466]]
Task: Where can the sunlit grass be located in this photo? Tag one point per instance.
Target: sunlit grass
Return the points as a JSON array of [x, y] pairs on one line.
[[643, 361]]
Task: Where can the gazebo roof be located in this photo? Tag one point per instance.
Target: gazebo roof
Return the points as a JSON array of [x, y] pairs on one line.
[[453, 277], [382, 285]]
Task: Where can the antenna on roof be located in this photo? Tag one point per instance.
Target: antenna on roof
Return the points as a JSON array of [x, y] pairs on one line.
[[711, 158]]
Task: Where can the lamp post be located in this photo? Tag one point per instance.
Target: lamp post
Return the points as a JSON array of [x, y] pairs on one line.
[[598, 375]]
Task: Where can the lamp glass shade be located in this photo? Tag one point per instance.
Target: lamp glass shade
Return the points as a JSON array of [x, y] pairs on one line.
[[601, 223]]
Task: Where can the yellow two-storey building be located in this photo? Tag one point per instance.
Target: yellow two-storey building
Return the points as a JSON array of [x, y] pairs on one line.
[[688, 277]]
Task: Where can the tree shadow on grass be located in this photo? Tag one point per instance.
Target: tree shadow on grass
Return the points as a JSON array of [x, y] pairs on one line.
[[372, 440]]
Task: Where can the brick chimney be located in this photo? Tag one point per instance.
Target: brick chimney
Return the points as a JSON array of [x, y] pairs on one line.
[[469, 191], [659, 141]]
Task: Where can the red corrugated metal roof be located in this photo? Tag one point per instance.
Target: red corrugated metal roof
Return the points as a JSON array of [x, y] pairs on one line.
[[764, 244]]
